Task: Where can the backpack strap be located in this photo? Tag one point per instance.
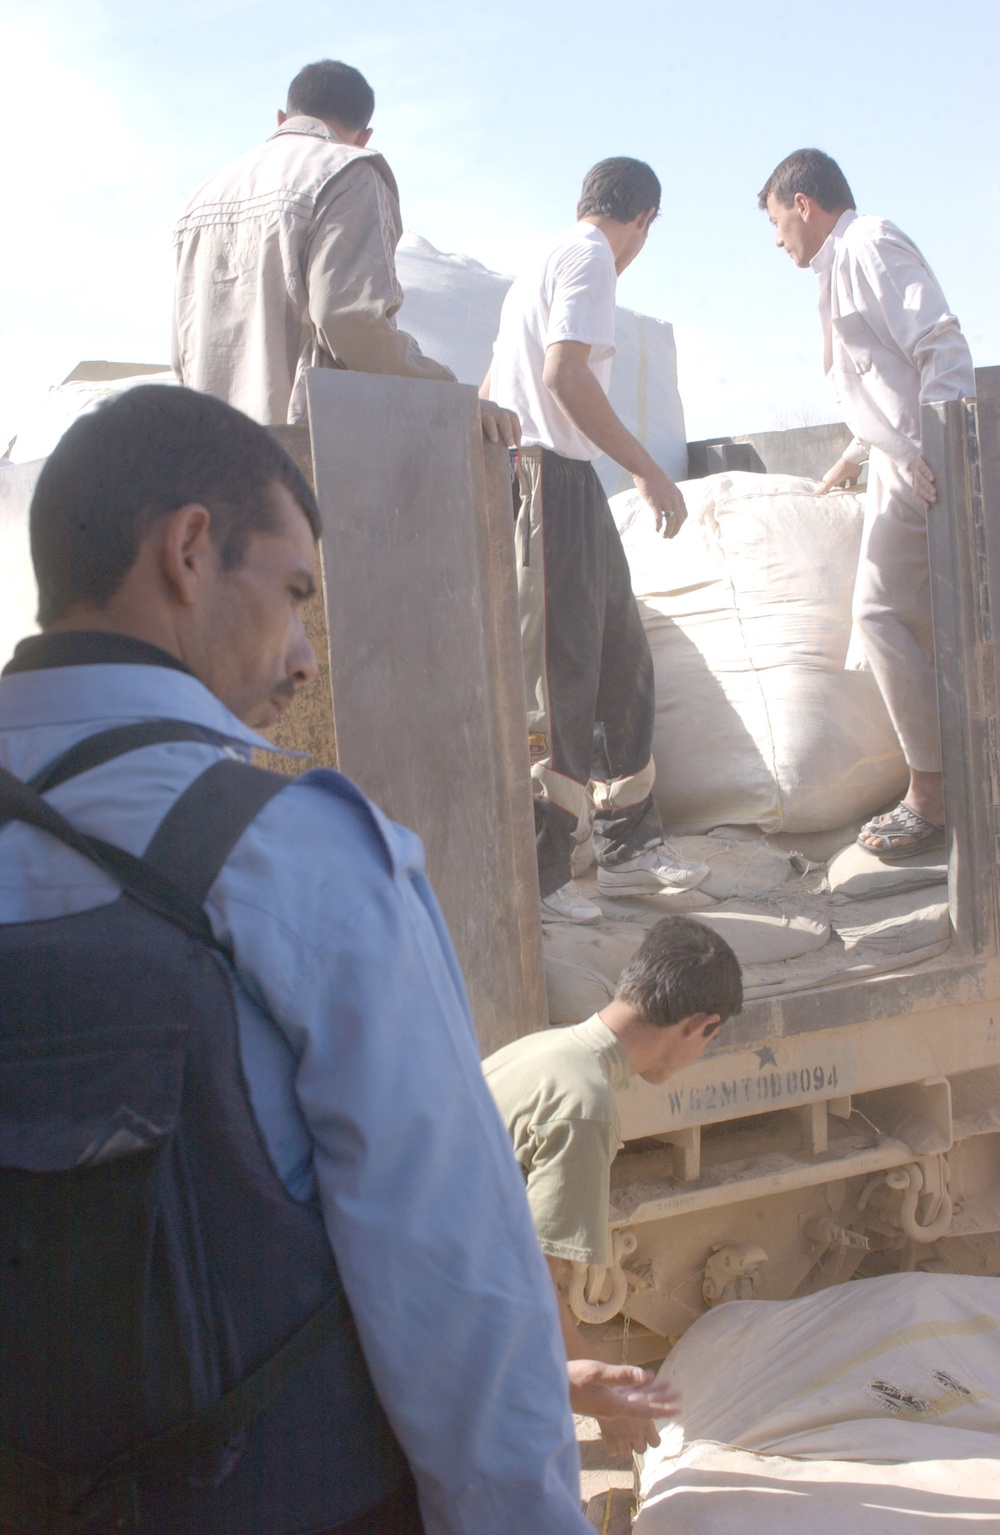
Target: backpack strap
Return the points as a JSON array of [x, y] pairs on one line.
[[95, 750], [199, 831], [19, 802], [193, 841]]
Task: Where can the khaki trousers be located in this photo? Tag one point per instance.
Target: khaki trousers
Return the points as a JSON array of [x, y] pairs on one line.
[[892, 611]]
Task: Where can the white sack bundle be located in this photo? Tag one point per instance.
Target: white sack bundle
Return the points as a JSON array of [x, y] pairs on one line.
[[452, 307], [761, 936], [858, 875], [868, 1406], [748, 615], [18, 592], [38, 432], [48, 418], [582, 966]]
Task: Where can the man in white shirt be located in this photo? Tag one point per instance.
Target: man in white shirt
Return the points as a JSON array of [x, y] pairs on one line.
[[587, 665], [891, 345]]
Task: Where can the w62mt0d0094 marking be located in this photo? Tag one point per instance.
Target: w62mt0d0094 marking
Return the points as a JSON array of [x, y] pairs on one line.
[[753, 1092]]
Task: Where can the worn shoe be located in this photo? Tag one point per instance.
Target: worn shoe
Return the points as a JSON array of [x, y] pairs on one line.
[[567, 905], [902, 833], [658, 869]]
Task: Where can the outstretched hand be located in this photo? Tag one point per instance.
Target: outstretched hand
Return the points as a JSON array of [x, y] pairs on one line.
[[615, 1391], [842, 476]]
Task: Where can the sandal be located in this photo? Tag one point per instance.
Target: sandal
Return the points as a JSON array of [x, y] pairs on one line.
[[904, 821]]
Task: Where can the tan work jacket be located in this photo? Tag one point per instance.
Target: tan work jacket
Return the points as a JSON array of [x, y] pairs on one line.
[[286, 261]]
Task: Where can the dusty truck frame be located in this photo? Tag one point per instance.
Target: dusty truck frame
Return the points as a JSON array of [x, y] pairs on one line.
[[829, 1132], [854, 1128]]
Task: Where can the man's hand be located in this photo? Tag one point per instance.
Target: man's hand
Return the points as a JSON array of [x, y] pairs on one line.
[[921, 481], [615, 1391], [842, 476], [567, 376], [659, 492], [499, 424], [627, 1436]]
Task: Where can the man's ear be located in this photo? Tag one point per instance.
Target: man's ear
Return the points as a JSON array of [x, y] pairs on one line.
[[697, 1023], [804, 206], [282, 117], [645, 219], [186, 552]]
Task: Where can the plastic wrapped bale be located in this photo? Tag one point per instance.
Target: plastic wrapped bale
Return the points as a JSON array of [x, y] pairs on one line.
[[748, 615], [41, 427], [867, 1408], [18, 592], [452, 307], [47, 418]]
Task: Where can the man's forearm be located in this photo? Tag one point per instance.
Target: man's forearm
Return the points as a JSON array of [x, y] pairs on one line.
[[581, 398], [353, 290], [371, 343]]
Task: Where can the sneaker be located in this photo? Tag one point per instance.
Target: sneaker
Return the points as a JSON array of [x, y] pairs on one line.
[[567, 905], [658, 869]]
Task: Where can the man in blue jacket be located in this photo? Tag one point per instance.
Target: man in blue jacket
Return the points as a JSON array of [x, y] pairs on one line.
[[175, 544]]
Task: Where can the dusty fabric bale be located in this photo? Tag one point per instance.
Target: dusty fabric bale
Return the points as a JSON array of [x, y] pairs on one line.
[[748, 616], [738, 866], [861, 876], [575, 991], [582, 966], [758, 935], [817, 1415], [606, 948], [817, 846], [900, 923]]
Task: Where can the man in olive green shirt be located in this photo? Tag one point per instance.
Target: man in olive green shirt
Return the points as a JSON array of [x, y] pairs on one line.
[[556, 1094]]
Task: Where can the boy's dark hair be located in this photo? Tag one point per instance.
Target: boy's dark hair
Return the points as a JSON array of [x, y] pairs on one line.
[[619, 188], [680, 968], [138, 457], [812, 172], [330, 89]]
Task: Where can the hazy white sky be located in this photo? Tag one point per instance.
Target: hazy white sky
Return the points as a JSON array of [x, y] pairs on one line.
[[113, 112]]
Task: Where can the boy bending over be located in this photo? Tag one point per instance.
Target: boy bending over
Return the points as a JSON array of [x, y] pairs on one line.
[[556, 1094]]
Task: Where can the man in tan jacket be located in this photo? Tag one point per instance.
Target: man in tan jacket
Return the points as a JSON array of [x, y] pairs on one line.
[[286, 261]]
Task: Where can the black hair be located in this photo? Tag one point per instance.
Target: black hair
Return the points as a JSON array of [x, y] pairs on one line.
[[680, 968], [137, 457], [332, 90], [619, 188], [812, 172]]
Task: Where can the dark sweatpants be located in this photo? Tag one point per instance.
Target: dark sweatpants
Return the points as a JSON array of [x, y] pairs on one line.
[[588, 671]]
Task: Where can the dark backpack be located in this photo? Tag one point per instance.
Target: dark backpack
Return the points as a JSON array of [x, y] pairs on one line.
[[158, 1285]]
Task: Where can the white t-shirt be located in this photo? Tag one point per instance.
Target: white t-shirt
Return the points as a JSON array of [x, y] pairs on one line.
[[571, 298]]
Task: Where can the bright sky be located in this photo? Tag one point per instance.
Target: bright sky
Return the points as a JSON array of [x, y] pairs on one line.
[[113, 111]]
